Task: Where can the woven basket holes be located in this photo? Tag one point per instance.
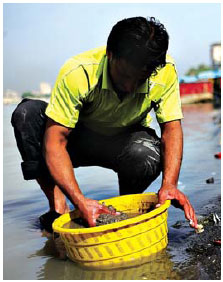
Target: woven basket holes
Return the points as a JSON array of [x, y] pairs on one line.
[[109, 250], [157, 234], [119, 247], [141, 242], [72, 239], [107, 237], [163, 242], [148, 237], [98, 252], [74, 253], [166, 227], [129, 244], [88, 253], [156, 246], [95, 238], [82, 237]]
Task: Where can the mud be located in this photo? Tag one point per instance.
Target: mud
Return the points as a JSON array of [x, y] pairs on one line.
[[111, 218], [204, 249], [101, 220], [104, 219]]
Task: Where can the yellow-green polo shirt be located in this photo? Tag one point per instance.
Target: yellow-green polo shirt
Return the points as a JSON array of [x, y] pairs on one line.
[[83, 91]]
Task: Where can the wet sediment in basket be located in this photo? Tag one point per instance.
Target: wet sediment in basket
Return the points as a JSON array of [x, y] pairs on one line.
[[104, 218]]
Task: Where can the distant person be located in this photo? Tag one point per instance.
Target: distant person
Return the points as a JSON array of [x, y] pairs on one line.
[[98, 115]]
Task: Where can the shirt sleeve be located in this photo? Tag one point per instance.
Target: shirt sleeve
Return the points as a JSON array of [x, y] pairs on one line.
[[66, 100], [168, 108]]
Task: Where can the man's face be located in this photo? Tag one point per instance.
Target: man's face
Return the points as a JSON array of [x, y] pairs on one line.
[[125, 77]]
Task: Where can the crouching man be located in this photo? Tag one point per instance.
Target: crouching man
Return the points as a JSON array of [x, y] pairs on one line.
[[98, 115]]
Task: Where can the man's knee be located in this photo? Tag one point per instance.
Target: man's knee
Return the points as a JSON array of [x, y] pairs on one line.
[[141, 154], [138, 151], [28, 121], [27, 111], [138, 166]]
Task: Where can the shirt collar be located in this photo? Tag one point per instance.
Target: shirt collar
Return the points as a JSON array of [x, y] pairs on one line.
[[106, 81], [107, 84], [143, 88]]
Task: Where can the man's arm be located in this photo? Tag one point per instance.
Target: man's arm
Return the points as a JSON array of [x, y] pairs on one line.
[[172, 151], [61, 169]]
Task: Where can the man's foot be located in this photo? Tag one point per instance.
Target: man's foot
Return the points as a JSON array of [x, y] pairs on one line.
[[47, 219]]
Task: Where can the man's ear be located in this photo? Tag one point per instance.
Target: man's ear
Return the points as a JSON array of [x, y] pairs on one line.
[[109, 54]]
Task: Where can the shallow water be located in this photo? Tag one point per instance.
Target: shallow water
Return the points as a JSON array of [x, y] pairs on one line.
[[28, 254]]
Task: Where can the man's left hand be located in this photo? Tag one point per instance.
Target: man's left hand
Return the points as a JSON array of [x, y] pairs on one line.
[[170, 192]]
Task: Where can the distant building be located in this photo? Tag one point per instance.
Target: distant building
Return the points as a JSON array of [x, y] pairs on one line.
[[43, 93], [11, 96], [216, 55], [45, 88], [9, 93]]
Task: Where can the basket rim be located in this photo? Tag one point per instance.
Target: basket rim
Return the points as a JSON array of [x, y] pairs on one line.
[[65, 218]]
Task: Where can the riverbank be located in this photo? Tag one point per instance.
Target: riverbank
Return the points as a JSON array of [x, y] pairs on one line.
[[201, 252]]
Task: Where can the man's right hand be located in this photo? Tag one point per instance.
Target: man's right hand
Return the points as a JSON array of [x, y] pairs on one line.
[[91, 209]]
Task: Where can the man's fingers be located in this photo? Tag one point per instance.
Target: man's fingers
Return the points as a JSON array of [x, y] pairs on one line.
[[190, 214], [193, 217], [161, 201], [92, 222], [187, 211], [104, 209], [117, 213], [162, 197]]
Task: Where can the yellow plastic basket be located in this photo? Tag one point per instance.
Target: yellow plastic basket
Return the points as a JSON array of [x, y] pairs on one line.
[[125, 243]]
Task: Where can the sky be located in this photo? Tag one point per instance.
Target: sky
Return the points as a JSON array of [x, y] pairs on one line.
[[38, 38]]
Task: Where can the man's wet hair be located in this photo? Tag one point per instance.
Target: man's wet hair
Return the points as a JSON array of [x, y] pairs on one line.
[[142, 42]]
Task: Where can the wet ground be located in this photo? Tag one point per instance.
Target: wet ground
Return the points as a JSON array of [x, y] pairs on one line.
[[29, 254], [202, 252]]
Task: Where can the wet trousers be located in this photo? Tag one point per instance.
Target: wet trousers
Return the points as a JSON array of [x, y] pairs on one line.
[[134, 154]]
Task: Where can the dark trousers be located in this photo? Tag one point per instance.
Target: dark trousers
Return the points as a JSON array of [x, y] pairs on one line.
[[134, 154]]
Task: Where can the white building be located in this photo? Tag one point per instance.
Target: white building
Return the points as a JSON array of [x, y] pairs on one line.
[[11, 96], [45, 88], [216, 54], [9, 93]]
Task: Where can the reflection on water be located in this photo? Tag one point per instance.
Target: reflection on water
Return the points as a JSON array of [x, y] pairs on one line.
[[157, 267], [197, 121], [30, 255]]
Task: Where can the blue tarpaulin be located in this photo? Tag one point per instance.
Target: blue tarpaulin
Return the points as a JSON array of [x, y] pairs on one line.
[[187, 79], [202, 75], [209, 74]]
